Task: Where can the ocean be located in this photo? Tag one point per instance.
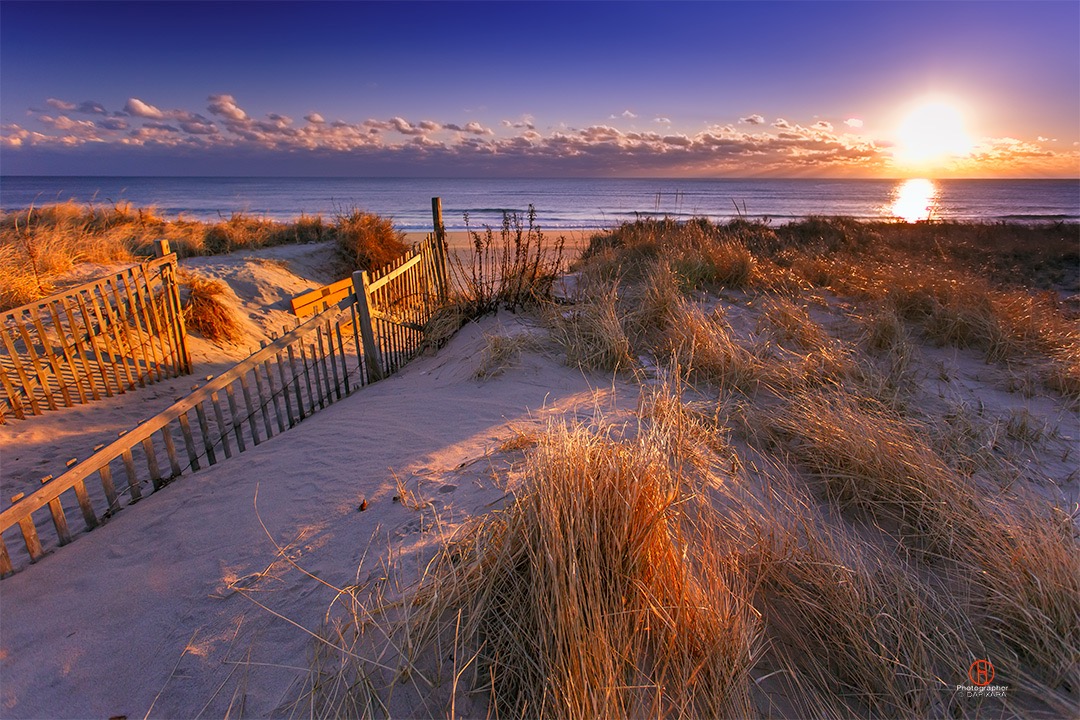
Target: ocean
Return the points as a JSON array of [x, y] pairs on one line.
[[561, 203]]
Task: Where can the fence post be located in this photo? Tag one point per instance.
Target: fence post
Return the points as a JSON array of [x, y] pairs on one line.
[[440, 247], [161, 248], [367, 333]]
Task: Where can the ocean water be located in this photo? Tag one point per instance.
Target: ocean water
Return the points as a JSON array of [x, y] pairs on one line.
[[562, 203]]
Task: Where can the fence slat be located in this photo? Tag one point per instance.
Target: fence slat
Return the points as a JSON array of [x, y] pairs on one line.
[[108, 337], [42, 376], [204, 429], [189, 442], [285, 388], [132, 477], [344, 360], [170, 450], [30, 538], [264, 402], [278, 415], [92, 338], [5, 560], [132, 319], [151, 462], [138, 310], [50, 356], [87, 508], [296, 384], [13, 396], [105, 473], [124, 330], [333, 359], [69, 359], [250, 409], [223, 429], [318, 376], [155, 316], [59, 521], [307, 379], [237, 422]]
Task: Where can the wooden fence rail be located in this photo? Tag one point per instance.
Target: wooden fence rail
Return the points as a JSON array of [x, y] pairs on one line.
[[322, 360], [98, 339]]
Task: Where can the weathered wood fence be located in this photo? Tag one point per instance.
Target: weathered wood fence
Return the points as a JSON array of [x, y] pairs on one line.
[[322, 360], [97, 339]]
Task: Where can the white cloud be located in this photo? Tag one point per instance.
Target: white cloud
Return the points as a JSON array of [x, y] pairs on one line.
[[780, 148], [226, 107], [854, 123], [138, 108]]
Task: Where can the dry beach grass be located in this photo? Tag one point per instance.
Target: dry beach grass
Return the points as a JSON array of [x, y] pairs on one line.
[[801, 523]]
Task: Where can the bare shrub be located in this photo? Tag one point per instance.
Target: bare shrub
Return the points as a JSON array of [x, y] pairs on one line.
[[513, 270]]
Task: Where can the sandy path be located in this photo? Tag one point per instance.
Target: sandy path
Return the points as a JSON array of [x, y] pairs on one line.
[[156, 620]]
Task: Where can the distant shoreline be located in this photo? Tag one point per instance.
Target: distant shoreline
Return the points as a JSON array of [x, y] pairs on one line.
[[561, 205]]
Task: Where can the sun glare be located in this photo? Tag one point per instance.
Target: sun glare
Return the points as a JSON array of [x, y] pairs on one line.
[[930, 135], [914, 200]]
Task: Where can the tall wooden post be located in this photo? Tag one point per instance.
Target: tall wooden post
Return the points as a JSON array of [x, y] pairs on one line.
[[161, 248], [367, 332], [440, 247]]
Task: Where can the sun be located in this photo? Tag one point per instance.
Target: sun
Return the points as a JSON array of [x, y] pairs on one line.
[[930, 135]]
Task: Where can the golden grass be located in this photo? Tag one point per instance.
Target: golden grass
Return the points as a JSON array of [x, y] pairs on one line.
[[1021, 553], [204, 311], [591, 332], [366, 241], [40, 243], [799, 526]]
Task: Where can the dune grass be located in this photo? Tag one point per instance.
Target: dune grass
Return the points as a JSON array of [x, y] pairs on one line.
[[40, 243], [800, 524], [204, 311]]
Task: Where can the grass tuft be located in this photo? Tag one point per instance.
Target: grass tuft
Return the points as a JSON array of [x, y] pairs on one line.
[[206, 313]]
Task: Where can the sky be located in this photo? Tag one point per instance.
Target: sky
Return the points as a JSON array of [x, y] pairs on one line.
[[868, 89]]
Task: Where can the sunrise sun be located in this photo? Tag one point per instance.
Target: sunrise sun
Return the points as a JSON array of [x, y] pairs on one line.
[[930, 134]]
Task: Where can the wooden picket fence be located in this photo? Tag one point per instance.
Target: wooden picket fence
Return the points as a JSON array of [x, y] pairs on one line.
[[324, 359], [95, 340]]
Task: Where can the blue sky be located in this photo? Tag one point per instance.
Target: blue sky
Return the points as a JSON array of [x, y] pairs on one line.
[[715, 89]]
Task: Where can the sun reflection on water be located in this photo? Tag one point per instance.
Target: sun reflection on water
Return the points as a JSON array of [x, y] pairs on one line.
[[914, 200]]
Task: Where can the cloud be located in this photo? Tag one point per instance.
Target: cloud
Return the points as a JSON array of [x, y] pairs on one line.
[[226, 107], [525, 123], [60, 105], [138, 108], [473, 128], [854, 123], [781, 148]]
